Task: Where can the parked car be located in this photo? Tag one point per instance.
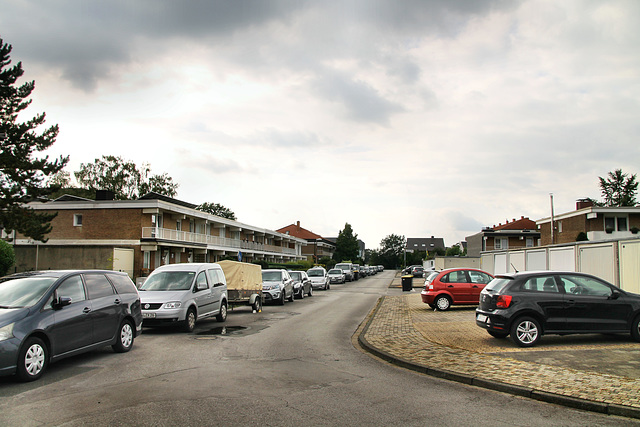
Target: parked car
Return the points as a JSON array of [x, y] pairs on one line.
[[348, 269], [417, 271], [319, 278], [454, 286], [301, 284], [46, 316], [528, 305], [337, 276], [183, 294], [277, 286]]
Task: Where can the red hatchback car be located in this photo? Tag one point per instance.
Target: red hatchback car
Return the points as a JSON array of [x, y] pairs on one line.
[[454, 286]]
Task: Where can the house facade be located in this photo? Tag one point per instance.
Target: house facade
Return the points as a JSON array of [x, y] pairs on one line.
[[317, 246], [140, 235], [518, 233], [425, 244], [598, 223]]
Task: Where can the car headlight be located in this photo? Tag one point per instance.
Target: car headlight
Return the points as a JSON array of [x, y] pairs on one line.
[[172, 304], [6, 332]]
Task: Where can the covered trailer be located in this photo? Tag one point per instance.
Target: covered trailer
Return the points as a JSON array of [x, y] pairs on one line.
[[244, 283]]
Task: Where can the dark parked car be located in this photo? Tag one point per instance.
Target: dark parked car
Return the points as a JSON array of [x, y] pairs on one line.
[[454, 286], [46, 316], [301, 284], [528, 305]]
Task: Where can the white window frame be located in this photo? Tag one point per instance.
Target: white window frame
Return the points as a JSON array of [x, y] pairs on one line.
[[77, 220]]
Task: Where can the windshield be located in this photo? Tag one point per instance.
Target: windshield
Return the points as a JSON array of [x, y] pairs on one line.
[[496, 285], [315, 273], [335, 271], [271, 276], [296, 275], [169, 281], [24, 292], [344, 267]]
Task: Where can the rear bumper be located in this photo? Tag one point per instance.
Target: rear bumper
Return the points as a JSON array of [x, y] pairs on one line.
[[492, 321]]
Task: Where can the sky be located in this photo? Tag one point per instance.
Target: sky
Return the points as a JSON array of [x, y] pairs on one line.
[[417, 117]]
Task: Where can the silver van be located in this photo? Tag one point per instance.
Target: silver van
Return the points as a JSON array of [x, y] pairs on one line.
[[183, 294]]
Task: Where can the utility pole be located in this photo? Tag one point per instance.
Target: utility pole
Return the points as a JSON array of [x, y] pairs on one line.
[[553, 235]]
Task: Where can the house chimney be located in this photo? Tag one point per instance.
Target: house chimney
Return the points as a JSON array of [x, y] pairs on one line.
[[583, 203]]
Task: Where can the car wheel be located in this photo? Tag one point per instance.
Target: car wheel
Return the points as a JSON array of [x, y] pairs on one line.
[[327, 287], [432, 306], [190, 320], [124, 340], [222, 316], [635, 329], [526, 331], [442, 303], [310, 294], [499, 335], [282, 299], [32, 360], [293, 296], [301, 294]]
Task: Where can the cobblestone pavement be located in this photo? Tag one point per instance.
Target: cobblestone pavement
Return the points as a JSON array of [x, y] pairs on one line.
[[406, 332]]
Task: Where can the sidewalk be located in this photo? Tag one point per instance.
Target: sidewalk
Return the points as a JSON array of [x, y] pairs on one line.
[[406, 332]]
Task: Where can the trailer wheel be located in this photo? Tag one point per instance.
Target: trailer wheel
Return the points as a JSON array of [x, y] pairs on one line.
[[257, 305]]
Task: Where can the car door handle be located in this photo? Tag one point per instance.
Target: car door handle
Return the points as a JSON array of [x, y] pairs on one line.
[[450, 286], [474, 286], [571, 302], [86, 310]]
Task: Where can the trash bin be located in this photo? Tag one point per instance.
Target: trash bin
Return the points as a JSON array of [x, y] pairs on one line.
[[407, 283]]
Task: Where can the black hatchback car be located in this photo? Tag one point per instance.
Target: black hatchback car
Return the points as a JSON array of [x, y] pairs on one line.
[[528, 305], [49, 315]]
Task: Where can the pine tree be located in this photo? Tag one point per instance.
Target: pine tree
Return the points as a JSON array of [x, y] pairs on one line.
[[22, 175]]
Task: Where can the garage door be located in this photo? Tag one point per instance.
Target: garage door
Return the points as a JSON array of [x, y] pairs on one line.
[[630, 266]]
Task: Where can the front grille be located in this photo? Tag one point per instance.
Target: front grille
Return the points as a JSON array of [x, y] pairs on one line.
[[151, 306]]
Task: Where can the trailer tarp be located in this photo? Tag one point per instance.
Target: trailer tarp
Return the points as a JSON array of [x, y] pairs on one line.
[[241, 275]]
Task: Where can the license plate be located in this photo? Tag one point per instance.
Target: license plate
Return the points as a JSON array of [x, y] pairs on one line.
[[481, 318], [148, 315]]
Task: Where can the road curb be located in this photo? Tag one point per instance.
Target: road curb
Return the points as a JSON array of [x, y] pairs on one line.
[[568, 401]]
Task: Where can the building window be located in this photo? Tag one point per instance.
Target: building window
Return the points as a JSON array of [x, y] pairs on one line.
[[146, 260], [559, 226], [529, 242], [622, 224], [179, 225], [77, 220], [615, 223], [501, 243], [609, 224]]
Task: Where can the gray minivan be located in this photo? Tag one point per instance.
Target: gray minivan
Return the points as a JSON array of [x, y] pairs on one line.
[[183, 294]]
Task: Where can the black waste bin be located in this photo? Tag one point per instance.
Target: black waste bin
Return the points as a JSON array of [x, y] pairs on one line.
[[407, 283]]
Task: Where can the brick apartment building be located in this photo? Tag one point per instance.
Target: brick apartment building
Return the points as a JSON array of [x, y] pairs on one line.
[[317, 246], [518, 233], [139, 235]]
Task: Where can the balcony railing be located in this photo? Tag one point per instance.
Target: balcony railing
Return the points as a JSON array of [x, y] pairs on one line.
[[188, 237]]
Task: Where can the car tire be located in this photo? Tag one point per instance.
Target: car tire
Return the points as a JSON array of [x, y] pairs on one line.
[[222, 315], [33, 359], [326, 288], [443, 303], [635, 329], [257, 305], [499, 335], [282, 299], [432, 306], [310, 294], [124, 339], [301, 294], [526, 331], [190, 320], [293, 296]]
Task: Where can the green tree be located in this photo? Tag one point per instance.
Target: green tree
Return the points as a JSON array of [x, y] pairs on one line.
[[618, 189], [346, 245], [22, 175], [327, 262], [123, 178], [217, 209], [7, 257], [453, 251], [391, 253]]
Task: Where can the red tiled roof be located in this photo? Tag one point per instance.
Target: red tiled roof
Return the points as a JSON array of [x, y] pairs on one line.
[[296, 231], [520, 224]]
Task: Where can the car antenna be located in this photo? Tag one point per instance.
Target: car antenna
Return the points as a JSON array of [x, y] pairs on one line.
[[514, 267]]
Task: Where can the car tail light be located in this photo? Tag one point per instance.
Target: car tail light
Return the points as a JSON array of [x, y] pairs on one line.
[[503, 301]]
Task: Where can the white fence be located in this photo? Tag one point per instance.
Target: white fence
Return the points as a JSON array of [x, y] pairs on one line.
[[617, 262]]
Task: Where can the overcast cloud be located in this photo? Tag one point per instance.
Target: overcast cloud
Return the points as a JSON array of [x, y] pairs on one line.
[[419, 118]]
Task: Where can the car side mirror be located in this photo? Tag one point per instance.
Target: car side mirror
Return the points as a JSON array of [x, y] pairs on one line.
[[61, 302], [614, 294]]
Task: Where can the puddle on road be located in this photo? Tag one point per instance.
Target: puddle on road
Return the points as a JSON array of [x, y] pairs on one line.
[[224, 330]]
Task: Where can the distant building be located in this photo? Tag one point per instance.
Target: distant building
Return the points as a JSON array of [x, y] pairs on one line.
[[425, 244], [518, 233], [317, 246]]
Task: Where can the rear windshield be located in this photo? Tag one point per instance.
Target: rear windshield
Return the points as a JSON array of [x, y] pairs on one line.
[[169, 281], [431, 276], [497, 284]]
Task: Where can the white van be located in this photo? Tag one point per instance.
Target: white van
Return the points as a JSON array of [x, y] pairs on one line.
[[184, 293]]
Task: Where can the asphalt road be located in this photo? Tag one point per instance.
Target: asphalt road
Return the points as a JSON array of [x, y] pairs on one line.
[[287, 366]]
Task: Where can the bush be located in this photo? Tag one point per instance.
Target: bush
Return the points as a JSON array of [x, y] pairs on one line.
[[582, 237], [7, 257]]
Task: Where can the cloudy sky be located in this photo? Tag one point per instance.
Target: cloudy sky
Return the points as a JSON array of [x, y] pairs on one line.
[[413, 117]]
